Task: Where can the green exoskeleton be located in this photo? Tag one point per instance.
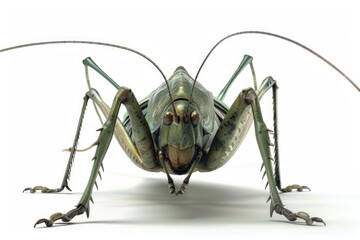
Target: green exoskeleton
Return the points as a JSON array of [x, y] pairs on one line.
[[181, 128]]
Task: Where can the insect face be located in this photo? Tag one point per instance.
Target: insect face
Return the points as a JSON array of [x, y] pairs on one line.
[[180, 132]]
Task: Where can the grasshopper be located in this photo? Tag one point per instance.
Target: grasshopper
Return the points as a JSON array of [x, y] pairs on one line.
[[181, 128]]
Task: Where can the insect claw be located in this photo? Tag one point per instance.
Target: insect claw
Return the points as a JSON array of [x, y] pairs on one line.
[[171, 187], [47, 222], [309, 220], [28, 189], [317, 219], [182, 188], [180, 192]]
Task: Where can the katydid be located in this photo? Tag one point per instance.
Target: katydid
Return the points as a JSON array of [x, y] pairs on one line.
[[181, 128]]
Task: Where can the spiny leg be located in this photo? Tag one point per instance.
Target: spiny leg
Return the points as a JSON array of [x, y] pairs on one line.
[[143, 141], [66, 177], [80, 208], [276, 158], [233, 129], [262, 137], [235, 124], [120, 133]]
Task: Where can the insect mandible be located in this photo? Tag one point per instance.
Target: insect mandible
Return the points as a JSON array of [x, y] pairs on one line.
[[181, 128]]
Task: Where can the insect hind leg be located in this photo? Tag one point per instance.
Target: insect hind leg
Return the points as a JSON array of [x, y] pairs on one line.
[[247, 60], [263, 140], [275, 134], [66, 177]]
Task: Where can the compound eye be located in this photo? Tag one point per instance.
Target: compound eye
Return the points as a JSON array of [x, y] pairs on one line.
[[168, 118], [194, 116]]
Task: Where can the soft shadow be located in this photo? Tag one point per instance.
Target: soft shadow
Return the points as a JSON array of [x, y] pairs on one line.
[[150, 202]]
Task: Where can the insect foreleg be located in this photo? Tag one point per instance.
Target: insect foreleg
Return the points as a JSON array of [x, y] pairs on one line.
[[120, 133], [231, 132]]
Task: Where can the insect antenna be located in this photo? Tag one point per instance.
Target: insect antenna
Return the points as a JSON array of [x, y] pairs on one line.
[[99, 44], [276, 36]]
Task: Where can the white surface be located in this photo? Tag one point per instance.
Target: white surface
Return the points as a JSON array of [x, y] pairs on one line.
[[42, 90]]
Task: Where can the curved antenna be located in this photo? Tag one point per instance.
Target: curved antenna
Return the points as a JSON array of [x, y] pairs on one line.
[[100, 44], [276, 36]]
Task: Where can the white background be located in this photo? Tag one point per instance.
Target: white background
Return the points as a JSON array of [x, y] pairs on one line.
[[42, 90]]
